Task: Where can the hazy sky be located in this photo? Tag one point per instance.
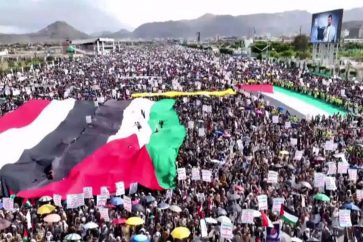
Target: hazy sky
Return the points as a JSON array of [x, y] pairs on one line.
[[18, 16], [136, 12]]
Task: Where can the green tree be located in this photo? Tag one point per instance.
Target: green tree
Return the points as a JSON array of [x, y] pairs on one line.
[[301, 43]]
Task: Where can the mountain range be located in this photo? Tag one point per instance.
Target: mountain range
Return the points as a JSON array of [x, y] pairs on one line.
[[276, 24]]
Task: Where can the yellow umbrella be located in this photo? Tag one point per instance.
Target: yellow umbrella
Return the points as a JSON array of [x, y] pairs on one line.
[[45, 209], [180, 233], [135, 221]]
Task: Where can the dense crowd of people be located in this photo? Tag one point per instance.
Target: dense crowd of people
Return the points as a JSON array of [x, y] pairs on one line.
[[241, 144]]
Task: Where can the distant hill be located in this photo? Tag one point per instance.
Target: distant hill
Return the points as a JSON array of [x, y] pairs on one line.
[[353, 27], [54, 32], [275, 24], [123, 33]]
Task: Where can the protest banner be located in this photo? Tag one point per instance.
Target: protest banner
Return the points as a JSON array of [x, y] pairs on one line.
[[272, 177], [191, 125], [353, 175], [319, 179], [275, 119], [203, 228], [104, 191], [293, 141], [120, 188], [104, 214], [247, 216], [226, 230], [330, 183], [343, 167], [262, 202], [71, 201], [127, 204], [88, 192], [79, 199], [182, 175], [276, 204], [57, 199], [201, 132], [207, 175], [332, 168], [101, 200], [287, 125], [359, 193], [298, 154], [195, 174], [344, 218], [274, 234], [8, 204]]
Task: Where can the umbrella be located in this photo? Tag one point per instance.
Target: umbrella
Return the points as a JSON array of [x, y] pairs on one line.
[[52, 218], [351, 206], [45, 199], [175, 208], [73, 236], [139, 238], [90, 225], [235, 208], [321, 197], [117, 201], [45, 209], [223, 219], [163, 205], [4, 224], [149, 199], [210, 220], [119, 221], [135, 221], [180, 233], [306, 184], [138, 208], [295, 239], [221, 211]]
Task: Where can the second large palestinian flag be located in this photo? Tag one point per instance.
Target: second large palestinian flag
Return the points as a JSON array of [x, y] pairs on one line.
[[60, 147]]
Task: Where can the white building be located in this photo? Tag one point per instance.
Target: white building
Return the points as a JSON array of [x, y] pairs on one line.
[[96, 46]]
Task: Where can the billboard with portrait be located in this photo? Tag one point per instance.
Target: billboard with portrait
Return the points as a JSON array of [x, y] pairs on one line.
[[326, 26]]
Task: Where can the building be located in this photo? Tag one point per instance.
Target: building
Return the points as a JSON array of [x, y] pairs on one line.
[[96, 46]]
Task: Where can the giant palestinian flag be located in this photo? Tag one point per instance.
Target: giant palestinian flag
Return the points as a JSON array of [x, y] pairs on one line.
[[129, 141]]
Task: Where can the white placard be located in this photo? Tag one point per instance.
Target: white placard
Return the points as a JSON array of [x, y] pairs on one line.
[[57, 199], [329, 145], [293, 141], [343, 167], [359, 193], [240, 145], [71, 201], [298, 154], [104, 214], [120, 188], [330, 183], [332, 168], [182, 175], [344, 218], [319, 179], [276, 204], [127, 204], [287, 125], [104, 191], [101, 200], [88, 119], [316, 150], [191, 125], [262, 202], [203, 228], [201, 132], [88, 192], [353, 176], [247, 216], [207, 175], [195, 174], [272, 177], [8, 204], [133, 188], [275, 119], [227, 230]]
